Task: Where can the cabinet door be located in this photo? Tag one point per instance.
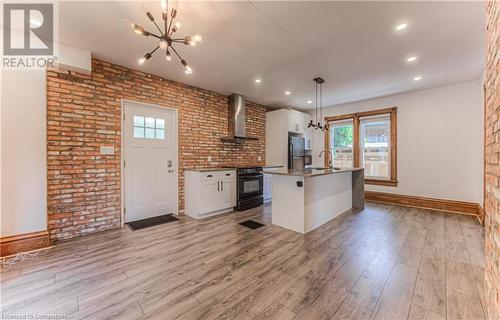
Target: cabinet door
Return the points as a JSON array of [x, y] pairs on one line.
[[300, 121], [293, 121], [307, 133], [305, 121], [210, 196], [227, 194], [268, 188]]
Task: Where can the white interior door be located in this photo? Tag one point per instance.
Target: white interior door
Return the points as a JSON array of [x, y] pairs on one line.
[[150, 155]]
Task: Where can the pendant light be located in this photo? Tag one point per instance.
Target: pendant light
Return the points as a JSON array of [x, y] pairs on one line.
[[319, 123]]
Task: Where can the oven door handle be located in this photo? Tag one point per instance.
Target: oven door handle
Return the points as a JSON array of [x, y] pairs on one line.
[[251, 177]]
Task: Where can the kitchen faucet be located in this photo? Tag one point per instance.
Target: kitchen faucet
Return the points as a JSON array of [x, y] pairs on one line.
[[330, 165]]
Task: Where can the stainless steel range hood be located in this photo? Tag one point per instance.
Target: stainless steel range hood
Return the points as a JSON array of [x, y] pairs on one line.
[[237, 119]]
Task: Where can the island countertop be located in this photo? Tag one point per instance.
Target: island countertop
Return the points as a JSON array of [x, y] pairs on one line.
[[310, 172]]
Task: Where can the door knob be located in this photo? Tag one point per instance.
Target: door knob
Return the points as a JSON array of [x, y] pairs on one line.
[[170, 170]]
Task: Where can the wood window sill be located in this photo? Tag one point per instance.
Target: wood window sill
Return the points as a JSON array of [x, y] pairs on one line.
[[376, 182]]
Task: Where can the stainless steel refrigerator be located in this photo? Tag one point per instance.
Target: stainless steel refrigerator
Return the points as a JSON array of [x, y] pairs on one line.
[[296, 151]]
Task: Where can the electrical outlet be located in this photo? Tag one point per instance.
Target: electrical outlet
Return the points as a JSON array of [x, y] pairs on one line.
[[105, 150], [209, 159], [259, 158]]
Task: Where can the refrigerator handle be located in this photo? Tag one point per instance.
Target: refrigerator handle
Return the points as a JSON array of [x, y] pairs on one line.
[[291, 155]]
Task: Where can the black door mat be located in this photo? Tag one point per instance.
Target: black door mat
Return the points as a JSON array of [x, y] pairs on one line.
[[252, 224], [149, 222]]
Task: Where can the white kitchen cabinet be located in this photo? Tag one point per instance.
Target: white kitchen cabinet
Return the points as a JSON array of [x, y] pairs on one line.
[[208, 193], [227, 194], [268, 184], [307, 133], [208, 189], [294, 121], [278, 124]]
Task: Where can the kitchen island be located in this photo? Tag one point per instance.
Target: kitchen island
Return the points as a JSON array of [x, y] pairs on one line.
[[306, 199]]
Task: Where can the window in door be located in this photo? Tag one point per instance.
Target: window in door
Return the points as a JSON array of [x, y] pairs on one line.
[[341, 137], [366, 139], [149, 128]]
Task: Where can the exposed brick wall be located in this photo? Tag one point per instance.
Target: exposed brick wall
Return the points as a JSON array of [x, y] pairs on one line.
[[492, 157], [84, 112]]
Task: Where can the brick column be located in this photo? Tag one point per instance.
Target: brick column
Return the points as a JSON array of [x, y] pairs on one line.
[[492, 165]]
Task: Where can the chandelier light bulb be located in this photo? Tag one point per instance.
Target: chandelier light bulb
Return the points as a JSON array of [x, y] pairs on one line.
[[168, 56], [138, 29], [177, 25], [163, 4], [197, 38], [188, 68], [146, 57], [192, 43], [163, 44]]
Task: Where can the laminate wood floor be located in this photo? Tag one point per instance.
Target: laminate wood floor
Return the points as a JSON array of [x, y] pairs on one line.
[[386, 262]]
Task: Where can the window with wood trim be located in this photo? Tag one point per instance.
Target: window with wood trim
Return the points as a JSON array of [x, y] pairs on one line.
[[365, 139]]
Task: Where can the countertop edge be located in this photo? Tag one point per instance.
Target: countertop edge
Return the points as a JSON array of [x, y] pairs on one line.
[[210, 169], [311, 174]]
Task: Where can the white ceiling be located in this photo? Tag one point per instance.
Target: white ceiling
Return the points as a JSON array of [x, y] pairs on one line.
[[352, 45]]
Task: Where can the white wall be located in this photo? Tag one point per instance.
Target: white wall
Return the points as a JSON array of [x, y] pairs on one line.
[[23, 152], [440, 138], [74, 59]]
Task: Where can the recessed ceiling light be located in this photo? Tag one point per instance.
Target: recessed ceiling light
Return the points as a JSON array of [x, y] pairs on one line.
[[287, 92], [417, 78], [309, 101], [411, 59], [401, 26], [258, 81]]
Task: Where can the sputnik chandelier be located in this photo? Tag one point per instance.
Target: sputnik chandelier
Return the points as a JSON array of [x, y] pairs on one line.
[[166, 37], [319, 105]]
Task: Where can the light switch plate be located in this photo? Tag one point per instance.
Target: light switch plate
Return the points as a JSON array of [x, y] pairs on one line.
[[106, 150], [259, 158], [209, 159]]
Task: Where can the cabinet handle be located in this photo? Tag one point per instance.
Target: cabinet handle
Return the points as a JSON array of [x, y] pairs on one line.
[[209, 176], [218, 186], [228, 174], [222, 186]]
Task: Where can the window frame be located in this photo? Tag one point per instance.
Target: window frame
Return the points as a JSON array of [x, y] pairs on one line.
[[392, 112]]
